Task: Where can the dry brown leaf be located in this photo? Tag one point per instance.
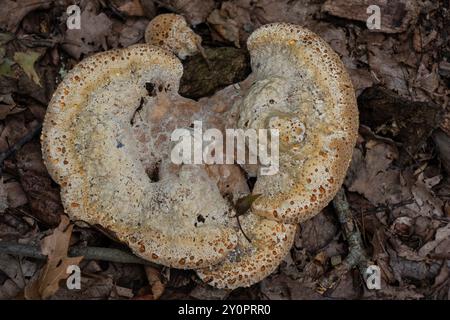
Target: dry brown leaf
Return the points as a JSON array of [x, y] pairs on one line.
[[153, 276], [442, 234], [427, 80], [132, 8], [132, 32], [268, 11], [15, 194], [55, 247], [426, 202], [95, 28], [93, 287], [8, 106], [205, 292], [13, 12], [316, 232], [9, 290], [388, 70], [373, 176], [282, 287], [225, 26], [195, 11], [14, 129], [123, 292]]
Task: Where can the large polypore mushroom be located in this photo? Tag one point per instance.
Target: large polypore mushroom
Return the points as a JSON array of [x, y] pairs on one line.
[[106, 141], [300, 87]]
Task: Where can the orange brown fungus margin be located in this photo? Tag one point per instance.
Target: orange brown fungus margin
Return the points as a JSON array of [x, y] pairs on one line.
[[298, 86], [89, 149]]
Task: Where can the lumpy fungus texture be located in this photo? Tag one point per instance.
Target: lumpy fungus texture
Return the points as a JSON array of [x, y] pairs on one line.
[[106, 141]]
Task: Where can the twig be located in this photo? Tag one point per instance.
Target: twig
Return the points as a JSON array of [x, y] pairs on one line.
[[388, 207], [356, 257], [89, 253], [19, 144]]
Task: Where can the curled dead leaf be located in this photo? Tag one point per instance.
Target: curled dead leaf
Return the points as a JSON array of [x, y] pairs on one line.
[[153, 276], [55, 247]]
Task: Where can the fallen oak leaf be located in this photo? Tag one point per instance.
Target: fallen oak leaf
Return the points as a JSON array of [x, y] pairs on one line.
[[133, 8], [55, 247], [154, 279], [92, 36], [26, 61]]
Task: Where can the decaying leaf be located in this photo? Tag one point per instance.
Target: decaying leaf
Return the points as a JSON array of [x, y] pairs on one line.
[[95, 28], [225, 26], [15, 195], [93, 287], [441, 235], [43, 195], [27, 60], [195, 11], [6, 67], [153, 276], [373, 174], [13, 12], [396, 15], [406, 121], [55, 247], [317, 232], [132, 8]]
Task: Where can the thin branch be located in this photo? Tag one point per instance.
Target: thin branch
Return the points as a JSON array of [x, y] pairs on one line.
[[89, 253], [19, 144], [357, 256]]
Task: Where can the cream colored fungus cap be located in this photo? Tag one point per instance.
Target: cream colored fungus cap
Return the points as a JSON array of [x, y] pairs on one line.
[[251, 262], [89, 150], [302, 89]]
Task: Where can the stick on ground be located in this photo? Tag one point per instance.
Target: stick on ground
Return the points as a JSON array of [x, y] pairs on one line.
[[89, 253], [357, 256]]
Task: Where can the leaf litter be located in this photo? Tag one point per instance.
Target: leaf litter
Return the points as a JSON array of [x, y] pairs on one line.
[[398, 184]]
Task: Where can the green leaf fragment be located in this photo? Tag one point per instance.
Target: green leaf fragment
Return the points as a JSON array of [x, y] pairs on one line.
[[27, 60]]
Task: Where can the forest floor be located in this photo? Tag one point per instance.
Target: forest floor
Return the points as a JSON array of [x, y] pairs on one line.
[[398, 185]]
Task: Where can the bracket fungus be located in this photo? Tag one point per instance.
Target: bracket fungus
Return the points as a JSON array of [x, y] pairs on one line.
[[300, 87], [106, 142]]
